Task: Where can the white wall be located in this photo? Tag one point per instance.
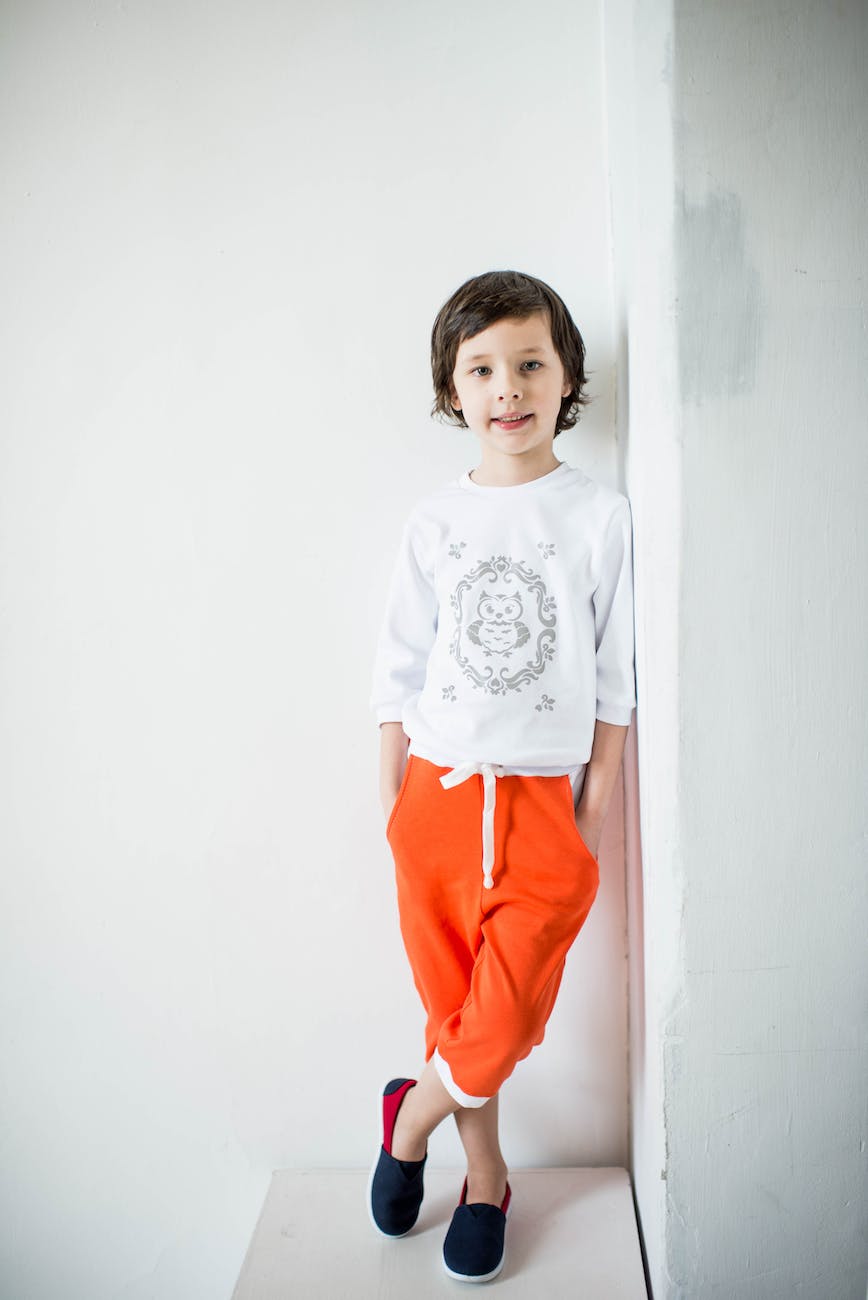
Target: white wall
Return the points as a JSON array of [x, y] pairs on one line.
[[766, 1062], [748, 1001], [227, 229]]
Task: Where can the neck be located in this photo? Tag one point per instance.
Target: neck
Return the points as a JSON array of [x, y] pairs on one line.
[[510, 471]]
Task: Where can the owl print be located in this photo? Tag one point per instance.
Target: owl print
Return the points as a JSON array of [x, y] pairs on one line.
[[499, 629], [505, 625]]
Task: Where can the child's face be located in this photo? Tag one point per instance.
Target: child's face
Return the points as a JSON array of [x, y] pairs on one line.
[[510, 368]]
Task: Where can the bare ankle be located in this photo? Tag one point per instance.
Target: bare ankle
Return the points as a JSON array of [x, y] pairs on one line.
[[488, 1167], [486, 1183], [406, 1144]]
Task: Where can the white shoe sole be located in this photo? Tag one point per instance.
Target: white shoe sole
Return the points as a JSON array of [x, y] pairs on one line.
[[483, 1277]]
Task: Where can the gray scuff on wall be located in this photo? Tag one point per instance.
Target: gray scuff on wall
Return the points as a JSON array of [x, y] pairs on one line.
[[718, 298]]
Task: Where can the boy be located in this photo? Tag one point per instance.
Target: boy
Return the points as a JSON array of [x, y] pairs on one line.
[[503, 686]]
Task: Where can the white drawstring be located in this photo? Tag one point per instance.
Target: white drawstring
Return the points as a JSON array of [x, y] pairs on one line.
[[488, 771]]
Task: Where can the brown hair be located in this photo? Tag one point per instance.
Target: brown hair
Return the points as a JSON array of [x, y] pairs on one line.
[[486, 299]]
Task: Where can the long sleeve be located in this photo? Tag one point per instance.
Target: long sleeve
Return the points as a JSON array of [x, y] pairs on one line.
[[613, 617], [407, 632]]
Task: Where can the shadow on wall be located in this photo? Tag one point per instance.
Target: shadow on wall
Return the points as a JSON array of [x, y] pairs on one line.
[[719, 300]]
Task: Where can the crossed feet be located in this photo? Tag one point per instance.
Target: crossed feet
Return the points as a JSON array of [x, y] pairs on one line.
[[486, 1183], [473, 1249]]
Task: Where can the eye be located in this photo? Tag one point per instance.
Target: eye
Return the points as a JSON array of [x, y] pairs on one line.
[[477, 369], [536, 364]]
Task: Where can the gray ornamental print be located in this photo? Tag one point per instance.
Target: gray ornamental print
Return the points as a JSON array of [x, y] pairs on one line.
[[504, 625]]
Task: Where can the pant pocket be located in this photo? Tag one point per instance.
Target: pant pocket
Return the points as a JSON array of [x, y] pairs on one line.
[[571, 813], [400, 795]]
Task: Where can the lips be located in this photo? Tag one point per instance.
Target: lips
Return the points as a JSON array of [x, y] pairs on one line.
[[511, 421]]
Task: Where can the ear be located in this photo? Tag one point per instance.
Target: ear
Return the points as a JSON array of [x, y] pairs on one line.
[[454, 402], [567, 388]]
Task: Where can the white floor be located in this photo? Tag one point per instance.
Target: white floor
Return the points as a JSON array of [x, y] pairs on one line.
[[571, 1233]]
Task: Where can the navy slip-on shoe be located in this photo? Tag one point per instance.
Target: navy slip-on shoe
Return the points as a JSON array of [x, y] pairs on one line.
[[474, 1249], [395, 1187]]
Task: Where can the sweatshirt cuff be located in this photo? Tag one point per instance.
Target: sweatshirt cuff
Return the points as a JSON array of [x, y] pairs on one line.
[[389, 713], [618, 715]]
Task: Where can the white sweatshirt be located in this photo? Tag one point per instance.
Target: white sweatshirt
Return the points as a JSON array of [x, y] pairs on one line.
[[509, 624]]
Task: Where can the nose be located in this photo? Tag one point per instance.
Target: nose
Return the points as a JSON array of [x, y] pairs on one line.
[[509, 389]]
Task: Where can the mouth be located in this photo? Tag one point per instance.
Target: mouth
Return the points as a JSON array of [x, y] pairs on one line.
[[512, 421]]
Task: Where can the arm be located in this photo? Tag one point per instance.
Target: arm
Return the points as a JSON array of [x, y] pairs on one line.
[[616, 687], [393, 759], [600, 777], [407, 634]]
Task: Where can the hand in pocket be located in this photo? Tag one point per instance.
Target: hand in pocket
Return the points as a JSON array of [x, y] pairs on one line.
[[389, 799], [590, 829]]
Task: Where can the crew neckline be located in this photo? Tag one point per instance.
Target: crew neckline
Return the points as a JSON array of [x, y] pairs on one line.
[[532, 485]]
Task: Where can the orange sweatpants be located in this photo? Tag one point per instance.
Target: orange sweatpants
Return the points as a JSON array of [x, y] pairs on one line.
[[487, 962]]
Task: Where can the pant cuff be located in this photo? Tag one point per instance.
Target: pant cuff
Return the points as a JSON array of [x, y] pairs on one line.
[[456, 1093]]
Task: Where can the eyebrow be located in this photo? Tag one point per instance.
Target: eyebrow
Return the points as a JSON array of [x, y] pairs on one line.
[[483, 356]]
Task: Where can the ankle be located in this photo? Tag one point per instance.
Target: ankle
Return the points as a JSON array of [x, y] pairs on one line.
[[409, 1149], [407, 1143], [486, 1182]]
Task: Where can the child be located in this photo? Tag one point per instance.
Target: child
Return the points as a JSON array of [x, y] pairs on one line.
[[505, 659]]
